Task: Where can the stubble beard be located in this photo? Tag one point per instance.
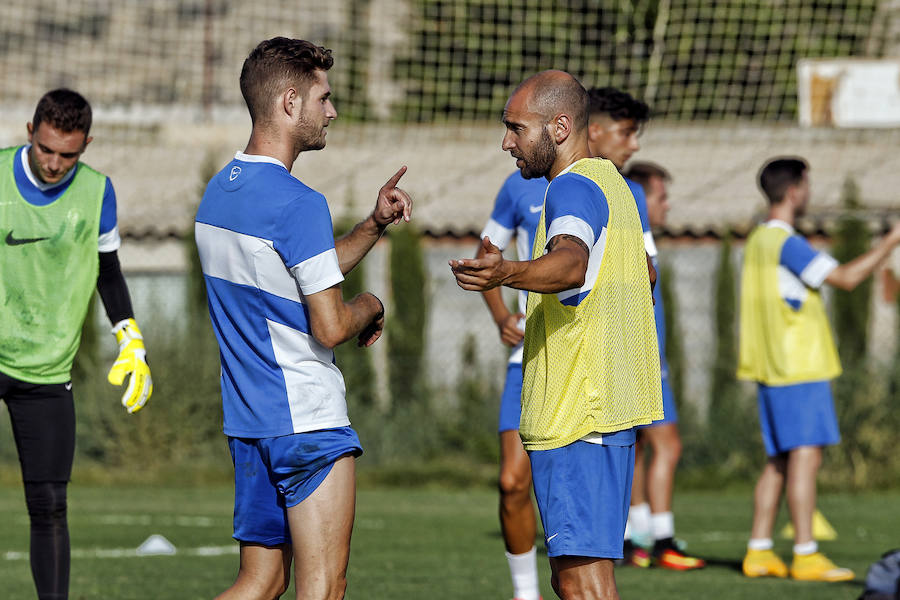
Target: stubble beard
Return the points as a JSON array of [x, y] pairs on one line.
[[541, 160], [310, 135]]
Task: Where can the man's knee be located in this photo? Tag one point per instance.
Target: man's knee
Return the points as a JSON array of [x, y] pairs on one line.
[[333, 589], [515, 482], [46, 503]]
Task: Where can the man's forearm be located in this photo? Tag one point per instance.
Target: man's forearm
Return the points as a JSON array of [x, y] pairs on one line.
[[851, 274], [363, 309], [352, 247], [348, 321], [560, 270]]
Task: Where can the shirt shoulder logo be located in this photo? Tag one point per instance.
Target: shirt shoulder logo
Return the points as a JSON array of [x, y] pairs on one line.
[[14, 241], [235, 171]]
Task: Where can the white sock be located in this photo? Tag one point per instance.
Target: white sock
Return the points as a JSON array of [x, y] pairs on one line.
[[639, 516], [805, 548], [663, 525], [760, 544], [523, 569]]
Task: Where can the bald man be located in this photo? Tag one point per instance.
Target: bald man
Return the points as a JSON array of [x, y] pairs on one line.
[[591, 363]]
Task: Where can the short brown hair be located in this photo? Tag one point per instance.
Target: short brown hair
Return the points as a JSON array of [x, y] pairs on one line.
[[643, 171], [279, 62], [63, 109]]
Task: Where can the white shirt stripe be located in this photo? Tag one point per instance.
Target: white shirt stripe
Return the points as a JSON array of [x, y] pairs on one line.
[[571, 225], [500, 236], [110, 241], [818, 270]]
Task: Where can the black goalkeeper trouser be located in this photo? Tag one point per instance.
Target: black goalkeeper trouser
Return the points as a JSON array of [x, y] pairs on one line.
[[43, 423]]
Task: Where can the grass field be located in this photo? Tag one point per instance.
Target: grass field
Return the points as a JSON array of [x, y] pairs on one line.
[[411, 544]]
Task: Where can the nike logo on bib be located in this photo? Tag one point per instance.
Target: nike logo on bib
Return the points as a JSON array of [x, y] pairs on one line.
[[14, 241], [536, 209]]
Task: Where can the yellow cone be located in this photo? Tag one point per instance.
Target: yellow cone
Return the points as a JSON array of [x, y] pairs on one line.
[[822, 529]]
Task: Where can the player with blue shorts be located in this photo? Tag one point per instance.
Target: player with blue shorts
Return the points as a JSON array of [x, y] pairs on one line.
[[578, 418], [651, 493], [273, 271], [787, 348], [516, 212]]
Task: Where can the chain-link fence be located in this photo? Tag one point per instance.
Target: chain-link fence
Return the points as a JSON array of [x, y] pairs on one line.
[[422, 82]]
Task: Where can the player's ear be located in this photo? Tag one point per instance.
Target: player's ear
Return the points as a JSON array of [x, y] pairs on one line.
[[87, 140], [290, 101], [562, 127], [30, 129]]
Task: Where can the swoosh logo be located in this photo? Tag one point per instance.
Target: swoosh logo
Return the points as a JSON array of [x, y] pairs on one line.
[[552, 536], [14, 241], [536, 209]]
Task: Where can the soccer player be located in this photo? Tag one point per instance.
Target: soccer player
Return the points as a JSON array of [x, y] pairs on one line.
[[590, 375], [786, 347], [615, 121], [273, 271], [58, 222], [651, 492]]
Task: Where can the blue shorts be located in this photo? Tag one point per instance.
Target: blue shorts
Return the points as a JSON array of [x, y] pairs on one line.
[[670, 413], [272, 474], [511, 401], [583, 491], [797, 415]]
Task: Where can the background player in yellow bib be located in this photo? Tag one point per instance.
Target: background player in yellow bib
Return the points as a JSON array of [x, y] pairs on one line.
[[591, 363], [787, 348], [59, 232]]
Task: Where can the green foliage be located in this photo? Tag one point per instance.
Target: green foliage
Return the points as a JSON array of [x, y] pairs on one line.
[[707, 60], [728, 436], [866, 404], [674, 336], [405, 320], [355, 363], [472, 430], [852, 309]]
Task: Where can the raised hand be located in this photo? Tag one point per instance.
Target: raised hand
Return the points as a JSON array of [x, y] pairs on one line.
[[393, 203]]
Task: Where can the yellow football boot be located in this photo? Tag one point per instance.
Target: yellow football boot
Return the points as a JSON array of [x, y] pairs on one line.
[[817, 567], [764, 563]]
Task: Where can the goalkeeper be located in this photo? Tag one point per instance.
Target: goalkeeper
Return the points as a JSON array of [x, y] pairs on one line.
[[58, 226]]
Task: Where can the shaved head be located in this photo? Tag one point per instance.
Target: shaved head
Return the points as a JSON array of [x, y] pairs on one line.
[[552, 92]]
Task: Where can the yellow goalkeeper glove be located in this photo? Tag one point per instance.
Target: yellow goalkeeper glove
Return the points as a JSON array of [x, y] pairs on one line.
[[132, 359]]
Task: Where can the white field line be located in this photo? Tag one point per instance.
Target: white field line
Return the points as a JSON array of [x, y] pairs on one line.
[[141, 520], [132, 552]]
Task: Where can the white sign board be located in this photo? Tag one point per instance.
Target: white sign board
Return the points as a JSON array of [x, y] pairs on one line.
[[849, 92]]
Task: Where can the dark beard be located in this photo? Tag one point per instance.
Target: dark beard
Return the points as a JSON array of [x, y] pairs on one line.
[[542, 159]]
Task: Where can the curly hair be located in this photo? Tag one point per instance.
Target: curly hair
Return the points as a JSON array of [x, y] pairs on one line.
[[618, 105], [64, 110], [277, 63]]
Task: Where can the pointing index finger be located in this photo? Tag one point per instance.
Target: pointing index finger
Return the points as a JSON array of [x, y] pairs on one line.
[[392, 182]]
